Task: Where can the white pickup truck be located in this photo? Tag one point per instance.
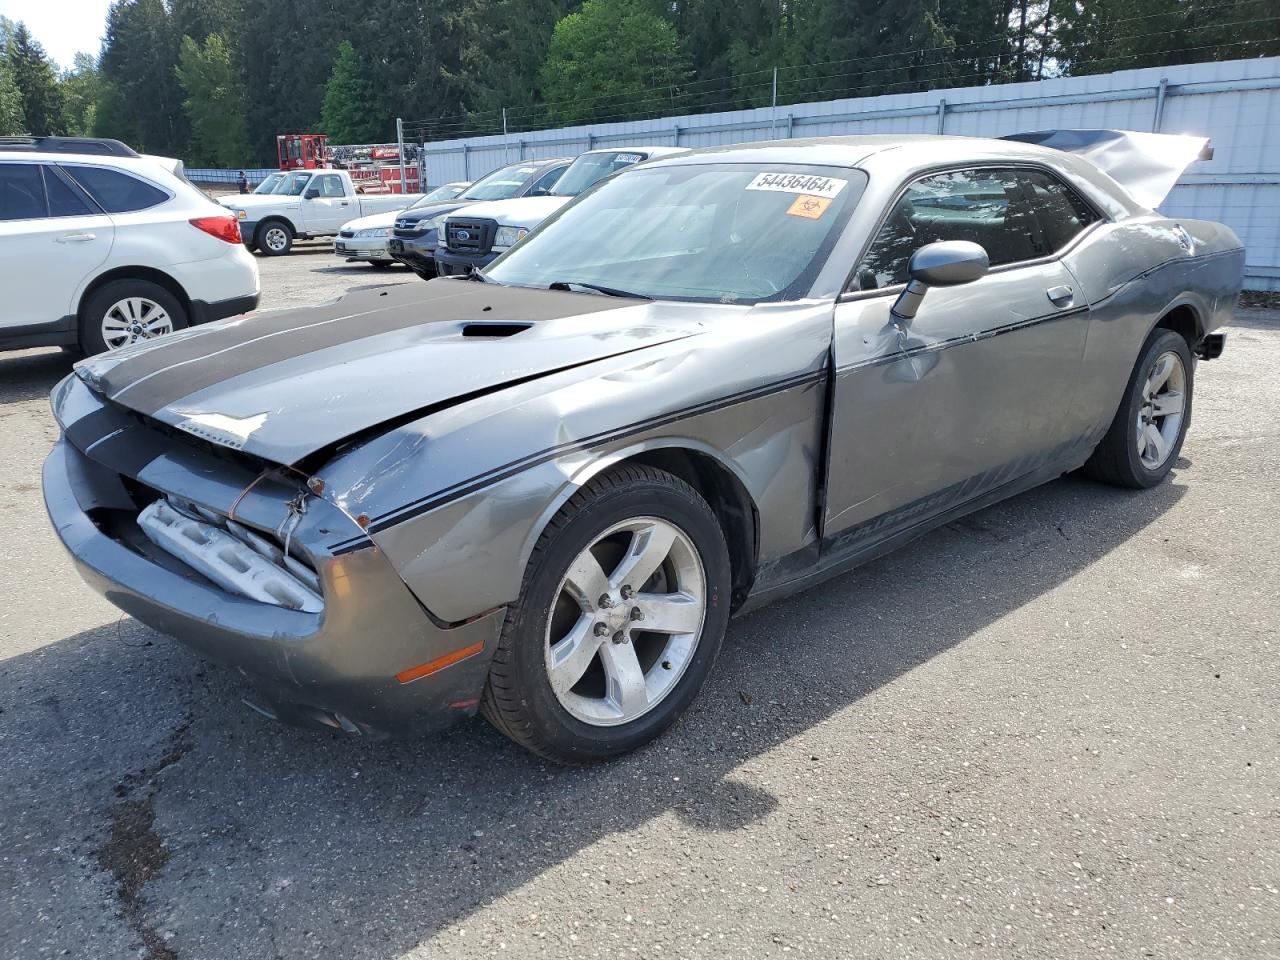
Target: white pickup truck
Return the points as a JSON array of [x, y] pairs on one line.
[[305, 204]]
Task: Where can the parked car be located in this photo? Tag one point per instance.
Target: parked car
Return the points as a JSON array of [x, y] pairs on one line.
[[414, 235], [270, 182], [304, 205], [366, 238], [102, 247], [475, 236], [712, 380]]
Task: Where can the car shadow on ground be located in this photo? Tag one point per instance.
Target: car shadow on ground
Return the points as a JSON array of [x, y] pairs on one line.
[[31, 374], [226, 832]]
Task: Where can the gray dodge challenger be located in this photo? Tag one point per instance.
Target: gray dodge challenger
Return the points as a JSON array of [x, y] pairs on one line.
[[540, 492]]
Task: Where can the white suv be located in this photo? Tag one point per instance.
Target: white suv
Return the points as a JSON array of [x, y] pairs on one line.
[[101, 247]]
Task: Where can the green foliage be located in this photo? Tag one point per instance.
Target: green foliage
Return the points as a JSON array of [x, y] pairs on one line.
[[37, 82], [353, 110], [143, 100], [297, 66], [608, 54], [82, 90], [215, 102], [12, 122]]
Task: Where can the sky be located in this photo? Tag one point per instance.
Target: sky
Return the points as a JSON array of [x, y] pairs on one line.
[[63, 27]]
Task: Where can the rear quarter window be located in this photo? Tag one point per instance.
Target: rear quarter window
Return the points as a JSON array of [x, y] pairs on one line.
[[114, 191]]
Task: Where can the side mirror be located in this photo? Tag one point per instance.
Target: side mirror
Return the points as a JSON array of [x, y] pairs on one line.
[[311, 193], [947, 263]]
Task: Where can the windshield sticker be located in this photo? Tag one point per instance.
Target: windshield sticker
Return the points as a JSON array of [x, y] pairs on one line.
[[629, 158], [811, 208], [798, 183]]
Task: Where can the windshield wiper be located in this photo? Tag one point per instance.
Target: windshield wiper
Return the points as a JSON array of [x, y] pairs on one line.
[[607, 291], [475, 274]]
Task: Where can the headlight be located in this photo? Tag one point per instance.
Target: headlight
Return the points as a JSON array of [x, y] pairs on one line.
[[508, 236], [436, 224], [369, 232]]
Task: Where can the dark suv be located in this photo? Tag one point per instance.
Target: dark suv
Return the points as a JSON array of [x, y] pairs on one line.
[[414, 234]]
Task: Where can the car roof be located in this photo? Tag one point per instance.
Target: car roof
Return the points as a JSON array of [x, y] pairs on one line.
[[653, 152], [902, 156]]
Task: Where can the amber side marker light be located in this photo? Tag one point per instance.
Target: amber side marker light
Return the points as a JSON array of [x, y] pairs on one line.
[[439, 663]]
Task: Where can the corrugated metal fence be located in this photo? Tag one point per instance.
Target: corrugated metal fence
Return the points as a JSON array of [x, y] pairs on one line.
[[1237, 103]]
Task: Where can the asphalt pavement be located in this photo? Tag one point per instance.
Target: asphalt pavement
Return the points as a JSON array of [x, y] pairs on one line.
[[1049, 730]]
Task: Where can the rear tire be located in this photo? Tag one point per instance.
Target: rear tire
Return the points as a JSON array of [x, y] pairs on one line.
[[1144, 440], [274, 238], [578, 680], [128, 311]]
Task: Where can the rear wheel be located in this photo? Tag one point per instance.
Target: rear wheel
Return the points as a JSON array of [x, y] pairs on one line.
[[128, 311], [1146, 435], [619, 620], [274, 238]]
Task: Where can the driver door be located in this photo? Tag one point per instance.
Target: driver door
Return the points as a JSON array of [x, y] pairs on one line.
[[978, 389], [328, 211]]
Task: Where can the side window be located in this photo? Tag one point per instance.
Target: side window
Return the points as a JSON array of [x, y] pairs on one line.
[[64, 201], [116, 192], [547, 181], [1060, 211], [330, 186], [988, 207], [21, 192]]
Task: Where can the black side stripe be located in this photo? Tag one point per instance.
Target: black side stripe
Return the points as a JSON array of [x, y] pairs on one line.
[[963, 338], [506, 471]]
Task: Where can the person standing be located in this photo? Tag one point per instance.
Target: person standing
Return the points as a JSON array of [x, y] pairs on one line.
[[242, 182]]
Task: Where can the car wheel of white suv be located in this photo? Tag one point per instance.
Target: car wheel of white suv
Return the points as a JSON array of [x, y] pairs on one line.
[[128, 311]]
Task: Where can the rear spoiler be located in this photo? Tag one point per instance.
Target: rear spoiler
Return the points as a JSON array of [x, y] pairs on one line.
[[1146, 164]]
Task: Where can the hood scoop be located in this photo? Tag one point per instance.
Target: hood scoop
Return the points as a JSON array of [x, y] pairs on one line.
[[494, 329]]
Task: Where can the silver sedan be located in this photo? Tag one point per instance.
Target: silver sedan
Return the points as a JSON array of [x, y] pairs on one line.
[[709, 381]]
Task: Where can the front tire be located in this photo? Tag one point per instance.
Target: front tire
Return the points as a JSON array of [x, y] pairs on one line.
[[591, 665], [128, 311], [1145, 438], [274, 238]]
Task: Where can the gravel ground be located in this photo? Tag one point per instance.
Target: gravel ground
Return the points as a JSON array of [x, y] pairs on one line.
[[1049, 730]]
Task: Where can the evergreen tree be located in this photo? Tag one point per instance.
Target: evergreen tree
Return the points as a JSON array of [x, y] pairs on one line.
[[142, 100], [81, 88], [33, 74], [611, 59], [12, 122], [354, 109], [215, 102]]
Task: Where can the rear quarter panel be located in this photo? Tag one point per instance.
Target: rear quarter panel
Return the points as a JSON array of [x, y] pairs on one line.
[[1133, 273]]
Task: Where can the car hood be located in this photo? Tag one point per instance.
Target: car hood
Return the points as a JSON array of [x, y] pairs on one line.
[[433, 209], [285, 384], [373, 220], [251, 201], [519, 212]]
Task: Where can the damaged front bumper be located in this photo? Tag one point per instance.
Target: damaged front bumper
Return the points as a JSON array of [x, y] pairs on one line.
[[371, 660]]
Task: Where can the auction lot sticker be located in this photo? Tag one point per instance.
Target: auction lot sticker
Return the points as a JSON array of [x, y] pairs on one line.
[[798, 183]]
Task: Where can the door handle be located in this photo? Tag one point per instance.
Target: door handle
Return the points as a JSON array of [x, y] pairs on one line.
[[75, 237], [344, 203], [1062, 296]]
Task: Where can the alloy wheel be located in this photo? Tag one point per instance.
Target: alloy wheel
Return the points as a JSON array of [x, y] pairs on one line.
[[133, 319], [618, 642], [1163, 406]]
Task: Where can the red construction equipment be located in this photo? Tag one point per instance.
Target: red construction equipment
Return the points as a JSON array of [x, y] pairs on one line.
[[302, 151]]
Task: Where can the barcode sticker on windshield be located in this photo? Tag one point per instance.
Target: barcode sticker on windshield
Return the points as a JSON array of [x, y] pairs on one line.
[[629, 158], [807, 183]]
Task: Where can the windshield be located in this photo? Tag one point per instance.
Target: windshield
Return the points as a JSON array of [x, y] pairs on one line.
[[447, 192], [590, 167], [269, 183], [728, 233], [502, 184], [293, 184]]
